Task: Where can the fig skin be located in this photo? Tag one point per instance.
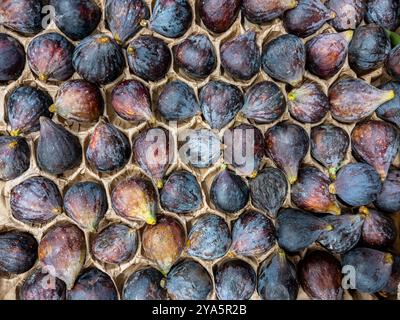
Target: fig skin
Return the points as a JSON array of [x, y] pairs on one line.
[[392, 63], [18, 252], [218, 15], [58, 150], [261, 12], [308, 103], [14, 157], [25, 106], [391, 288], [163, 242], [287, 144], [349, 13], [390, 111], [284, 59], [115, 244], [135, 198], [387, 199], [209, 238], [383, 13], [320, 275], [12, 58], [86, 204], [264, 102], [36, 200]]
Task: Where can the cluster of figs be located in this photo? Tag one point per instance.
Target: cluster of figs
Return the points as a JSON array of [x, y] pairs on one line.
[[323, 190]]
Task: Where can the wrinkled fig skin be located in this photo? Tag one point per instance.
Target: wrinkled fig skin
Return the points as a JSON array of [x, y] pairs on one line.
[[352, 100], [357, 184], [220, 103], [181, 193], [58, 150], [18, 252], [384, 13], [218, 15], [177, 102], [308, 103], [320, 275], [235, 280], [12, 58], [149, 58], [252, 234], [86, 204], [388, 199], [209, 238], [115, 244], [171, 18], [14, 157], [144, 284], [135, 198], [189, 280], [390, 111], [264, 102], [76, 18], [261, 11], [164, 242], [368, 49], [287, 144], [240, 57], [36, 200], [393, 62], [372, 268], [195, 56], [349, 13], [393, 284], [93, 284], [124, 18]]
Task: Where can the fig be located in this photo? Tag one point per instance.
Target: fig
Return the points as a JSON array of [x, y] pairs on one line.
[[390, 111], [261, 12], [349, 13], [12, 58], [387, 199], [36, 200], [392, 63], [209, 238], [392, 286], [14, 157], [218, 15], [383, 13], [86, 204]]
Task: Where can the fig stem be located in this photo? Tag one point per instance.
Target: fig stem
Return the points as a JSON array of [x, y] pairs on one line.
[[15, 133], [332, 173], [53, 108], [292, 96], [103, 40], [253, 174], [292, 179], [332, 188], [43, 77], [13, 144], [364, 211], [223, 167], [329, 227], [143, 23], [117, 39], [389, 258], [348, 35], [160, 184]]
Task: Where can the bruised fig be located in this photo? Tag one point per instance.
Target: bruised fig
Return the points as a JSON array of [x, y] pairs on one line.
[[218, 15], [144, 284], [392, 286], [14, 157], [387, 199], [384, 13], [349, 13], [287, 144], [36, 200], [260, 12], [284, 59], [320, 275], [12, 58], [390, 111], [163, 242], [352, 100], [86, 204], [392, 63]]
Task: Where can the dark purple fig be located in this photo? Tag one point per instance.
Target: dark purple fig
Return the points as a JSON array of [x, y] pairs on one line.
[[287, 144], [86, 204], [18, 252], [388, 199], [181, 193], [372, 268], [23, 16], [384, 13], [390, 111], [329, 145], [109, 148], [115, 244], [218, 15], [264, 102], [240, 56], [144, 284], [368, 49], [50, 57], [262, 11], [307, 17], [235, 280], [349, 13], [125, 18], [12, 58], [149, 58], [36, 200], [195, 56], [25, 106], [135, 198], [62, 251], [177, 102], [284, 59], [76, 18], [320, 275], [392, 287], [58, 150], [308, 103], [209, 238], [14, 157], [311, 192], [93, 284], [352, 100], [277, 279], [252, 234], [171, 18], [357, 184], [392, 63], [189, 280], [164, 242], [220, 103]]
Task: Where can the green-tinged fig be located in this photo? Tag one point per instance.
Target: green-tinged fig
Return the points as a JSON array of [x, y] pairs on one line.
[[349, 13], [144, 284], [14, 157], [390, 111], [388, 199], [262, 11]]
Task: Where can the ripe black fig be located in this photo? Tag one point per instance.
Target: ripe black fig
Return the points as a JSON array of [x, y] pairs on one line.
[[387, 199], [384, 13], [14, 157], [392, 286], [392, 63], [390, 111], [218, 15], [349, 13], [12, 58], [263, 11]]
